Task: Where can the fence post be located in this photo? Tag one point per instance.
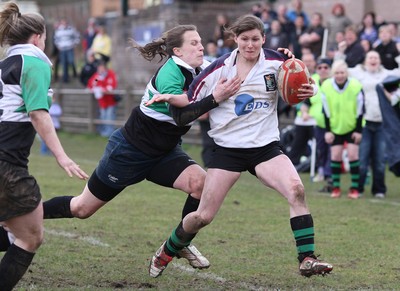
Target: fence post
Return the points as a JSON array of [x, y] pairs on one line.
[[91, 114]]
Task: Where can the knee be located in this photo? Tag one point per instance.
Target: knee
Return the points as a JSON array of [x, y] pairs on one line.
[[297, 193], [381, 167], [80, 211], [32, 240], [196, 186], [202, 219], [39, 239]]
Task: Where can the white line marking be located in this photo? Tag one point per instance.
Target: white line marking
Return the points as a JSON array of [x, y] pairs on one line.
[[382, 201], [88, 239], [202, 275], [216, 278]]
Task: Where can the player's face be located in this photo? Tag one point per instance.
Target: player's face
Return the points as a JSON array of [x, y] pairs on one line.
[[250, 43], [191, 51]]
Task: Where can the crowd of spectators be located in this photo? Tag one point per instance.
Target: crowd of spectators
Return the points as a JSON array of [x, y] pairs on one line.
[[303, 32], [95, 74]]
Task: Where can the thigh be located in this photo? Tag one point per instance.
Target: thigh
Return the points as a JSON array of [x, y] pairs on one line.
[[310, 132], [336, 152], [379, 144], [19, 191], [109, 113], [216, 186], [63, 57], [319, 134], [191, 180], [365, 146], [122, 164], [28, 229], [103, 113], [352, 151], [279, 174], [70, 56]]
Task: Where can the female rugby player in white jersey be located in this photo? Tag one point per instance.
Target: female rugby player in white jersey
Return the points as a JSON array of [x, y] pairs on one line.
[[245, 128]]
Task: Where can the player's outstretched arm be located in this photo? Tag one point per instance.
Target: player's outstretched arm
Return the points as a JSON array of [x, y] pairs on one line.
[[43, 124], [180, 100], [223, 90]]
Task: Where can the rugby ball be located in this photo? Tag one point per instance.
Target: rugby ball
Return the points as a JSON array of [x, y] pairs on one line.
[[291, 75]]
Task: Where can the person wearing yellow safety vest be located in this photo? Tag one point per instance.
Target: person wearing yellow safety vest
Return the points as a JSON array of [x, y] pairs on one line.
[[323, 160], [343, 106]]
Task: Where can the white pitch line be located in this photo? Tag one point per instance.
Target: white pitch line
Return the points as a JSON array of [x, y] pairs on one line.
[[382, 201], [202, 275], [214, 277], [88, 239], [372, 200]]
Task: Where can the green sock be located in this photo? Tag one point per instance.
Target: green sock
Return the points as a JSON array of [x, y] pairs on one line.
[[178, 240]]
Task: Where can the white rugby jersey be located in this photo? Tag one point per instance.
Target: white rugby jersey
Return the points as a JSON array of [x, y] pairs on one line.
[[248, 119]]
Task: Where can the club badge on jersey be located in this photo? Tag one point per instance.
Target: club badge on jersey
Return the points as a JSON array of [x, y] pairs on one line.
[[270, 82]]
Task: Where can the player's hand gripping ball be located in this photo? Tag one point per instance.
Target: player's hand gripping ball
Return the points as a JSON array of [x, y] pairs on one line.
[[291, 75]]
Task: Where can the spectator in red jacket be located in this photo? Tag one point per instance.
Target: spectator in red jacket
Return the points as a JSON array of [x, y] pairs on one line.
[[102, 83]]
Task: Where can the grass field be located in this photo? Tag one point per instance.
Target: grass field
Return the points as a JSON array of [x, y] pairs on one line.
[[250, 244]]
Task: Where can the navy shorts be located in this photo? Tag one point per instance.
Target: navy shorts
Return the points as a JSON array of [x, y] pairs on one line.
[[19, 191], [123, 164], [240, 160]]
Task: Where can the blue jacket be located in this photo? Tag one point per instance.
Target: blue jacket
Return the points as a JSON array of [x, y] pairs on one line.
[[391, 128]]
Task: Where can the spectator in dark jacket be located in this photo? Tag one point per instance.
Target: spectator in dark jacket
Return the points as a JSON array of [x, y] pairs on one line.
[[89, 68], [350, 50], [386, 47], [276, 38], [313, 36]]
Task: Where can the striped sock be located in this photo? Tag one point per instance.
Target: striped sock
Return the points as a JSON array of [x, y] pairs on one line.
[[178, 240], [355, 174], [303, 230], [336, 171]]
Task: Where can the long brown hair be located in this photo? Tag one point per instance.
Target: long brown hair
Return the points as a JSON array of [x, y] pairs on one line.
[[17, 28], [164, 45], [246, 23]]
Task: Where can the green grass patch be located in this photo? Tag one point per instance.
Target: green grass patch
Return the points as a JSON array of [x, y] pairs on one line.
[[249, 244]]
